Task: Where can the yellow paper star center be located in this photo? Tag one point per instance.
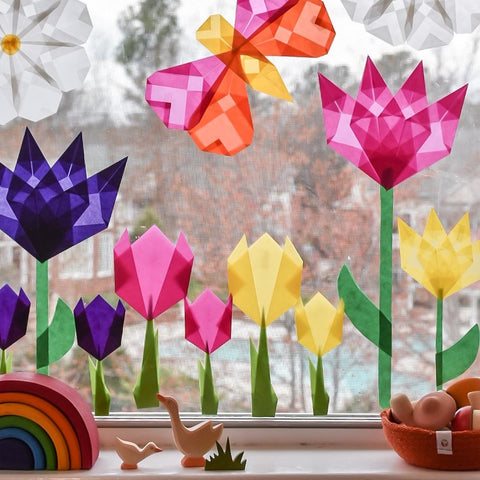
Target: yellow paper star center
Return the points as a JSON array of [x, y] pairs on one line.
[[11, 44]]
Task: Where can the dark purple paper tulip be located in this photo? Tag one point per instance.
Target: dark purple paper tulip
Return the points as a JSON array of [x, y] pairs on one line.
[[47, 210], [14, 310], [99, 326]]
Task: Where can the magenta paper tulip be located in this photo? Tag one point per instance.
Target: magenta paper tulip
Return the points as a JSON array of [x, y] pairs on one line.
[[208, 321], [152, 273], [390, 137], [208, 325]]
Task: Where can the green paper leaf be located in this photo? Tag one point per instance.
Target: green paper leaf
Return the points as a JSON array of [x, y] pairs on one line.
[[58, 336], [208, 396], [453, 361], [264, 399], [320, 398], [147, 386], [362, 312]]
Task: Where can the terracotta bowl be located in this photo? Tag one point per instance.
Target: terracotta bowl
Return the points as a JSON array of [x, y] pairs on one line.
[[418, 446]]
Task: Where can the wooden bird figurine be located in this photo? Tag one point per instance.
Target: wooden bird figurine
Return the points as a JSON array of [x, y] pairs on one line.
[[131, 453], [193, 442]]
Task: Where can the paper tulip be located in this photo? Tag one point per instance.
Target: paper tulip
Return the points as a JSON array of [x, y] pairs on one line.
[[99, 329], [444, 264], [47, 210], [265, 281], [14, 311], [319, 328], [151, 275], [208, 325], [390, 138]]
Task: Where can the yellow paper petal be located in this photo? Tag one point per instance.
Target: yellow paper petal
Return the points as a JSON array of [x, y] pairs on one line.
[[216, 34], [286, 292], [241, 283], [434, 232]]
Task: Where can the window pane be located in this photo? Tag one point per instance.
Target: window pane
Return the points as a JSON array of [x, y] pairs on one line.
[[288, 182]]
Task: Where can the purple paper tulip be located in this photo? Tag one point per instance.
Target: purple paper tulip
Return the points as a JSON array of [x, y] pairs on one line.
[[99, 326], [47, 210], [14, 310]]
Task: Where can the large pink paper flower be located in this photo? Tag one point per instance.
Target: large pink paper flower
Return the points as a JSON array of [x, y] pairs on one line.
[[390, 137], [152, 273]]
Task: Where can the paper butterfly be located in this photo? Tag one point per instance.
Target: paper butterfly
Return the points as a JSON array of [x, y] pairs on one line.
[[208, 97]]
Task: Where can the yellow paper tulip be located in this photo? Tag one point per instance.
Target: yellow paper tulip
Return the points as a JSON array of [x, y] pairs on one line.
[[264, 278], [319, 324], [443, 263]]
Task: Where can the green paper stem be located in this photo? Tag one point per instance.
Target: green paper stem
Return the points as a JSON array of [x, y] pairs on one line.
[[320, 398], [3, 363], [385, 297], [42, 316], [147, 386], [100, 393], [264, 399], [439, 345], [208, 396]]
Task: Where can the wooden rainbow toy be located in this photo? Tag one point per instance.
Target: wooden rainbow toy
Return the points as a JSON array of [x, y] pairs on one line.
[[44, 425]]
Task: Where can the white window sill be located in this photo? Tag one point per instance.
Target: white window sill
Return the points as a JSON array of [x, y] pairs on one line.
[[333, 449]]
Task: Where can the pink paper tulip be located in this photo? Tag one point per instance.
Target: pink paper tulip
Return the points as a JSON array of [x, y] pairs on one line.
[[152, 273], [390, 137], [208, 321]]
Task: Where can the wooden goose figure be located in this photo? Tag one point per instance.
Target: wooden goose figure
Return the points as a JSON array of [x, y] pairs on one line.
[[193, 442], [131, 453]]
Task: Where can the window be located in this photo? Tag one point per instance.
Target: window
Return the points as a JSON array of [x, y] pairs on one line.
[[287, 183]]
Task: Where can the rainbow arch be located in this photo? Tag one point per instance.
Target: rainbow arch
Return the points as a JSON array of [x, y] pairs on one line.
[[44, 425]]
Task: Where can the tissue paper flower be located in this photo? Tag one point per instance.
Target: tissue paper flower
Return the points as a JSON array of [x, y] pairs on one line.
[[14, 311], [208, 97], [265, 281], [47, 210], [151, 275], [390, 137], [421, 23], [444, 264], [208, 325], [40, 55], [99, 332], [319, 328]]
